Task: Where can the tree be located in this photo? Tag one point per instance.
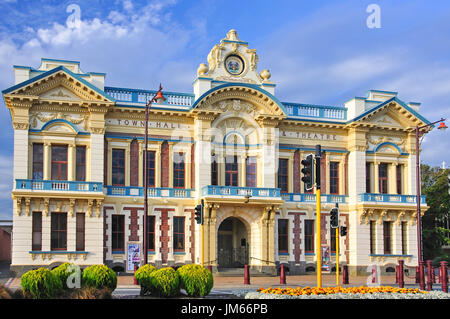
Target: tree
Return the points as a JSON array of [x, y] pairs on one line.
[[435, 232]]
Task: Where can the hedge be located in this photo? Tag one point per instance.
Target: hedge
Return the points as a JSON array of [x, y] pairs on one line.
[[99, 276], [165, 282], [41, 283], [142, 276], [196, 280], [62, 273]]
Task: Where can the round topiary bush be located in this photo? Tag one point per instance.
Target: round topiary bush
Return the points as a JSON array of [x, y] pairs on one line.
[[142, 276], [63, 272], [99, 276], [196, 280], [41, 283], [165, 282]]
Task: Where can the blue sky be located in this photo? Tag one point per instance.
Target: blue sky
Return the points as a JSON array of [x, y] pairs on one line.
[[319, 52]]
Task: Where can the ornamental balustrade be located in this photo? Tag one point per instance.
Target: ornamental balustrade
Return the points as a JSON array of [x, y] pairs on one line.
[[52, 185], [213, 190], [391, 198], [151, 192], [143, 96]]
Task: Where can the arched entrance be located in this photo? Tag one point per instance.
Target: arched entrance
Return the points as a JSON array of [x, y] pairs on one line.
[[232, 244]]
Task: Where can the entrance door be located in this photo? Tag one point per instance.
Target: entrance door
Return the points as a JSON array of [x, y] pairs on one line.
[[232, 244]]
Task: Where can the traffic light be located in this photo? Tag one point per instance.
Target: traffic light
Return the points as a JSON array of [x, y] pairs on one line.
[[334, 217], [343, 231], [308, 172], [199, 213]]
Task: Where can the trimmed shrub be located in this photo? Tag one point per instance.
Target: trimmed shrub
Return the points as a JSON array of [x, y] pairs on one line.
[[165, 282], [41, 283], [62, 273], [196, 280], [99, 276], [142, 276]]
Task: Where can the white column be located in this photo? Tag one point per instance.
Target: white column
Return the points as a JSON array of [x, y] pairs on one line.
[[21, 154], [96, 158]]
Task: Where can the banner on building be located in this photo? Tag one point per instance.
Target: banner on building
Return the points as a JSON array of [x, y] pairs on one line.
[[133, 255], [325, 258]]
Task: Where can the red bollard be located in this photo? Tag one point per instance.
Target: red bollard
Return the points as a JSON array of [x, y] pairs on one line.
[[396, 274], [417, 275], [210, 268], [345, 275], [421, 276], [135, 280], [401, 281], [444, 276], [282, 275], [246, 275], [429, 275]]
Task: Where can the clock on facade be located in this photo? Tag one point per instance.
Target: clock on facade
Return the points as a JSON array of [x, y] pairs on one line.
[[234, 64]]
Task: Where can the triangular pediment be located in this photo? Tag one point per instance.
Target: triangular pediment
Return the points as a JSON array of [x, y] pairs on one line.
[[391, 114], [59, 84]]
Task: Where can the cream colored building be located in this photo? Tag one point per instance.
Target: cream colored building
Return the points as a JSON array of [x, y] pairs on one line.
[[78, 170]]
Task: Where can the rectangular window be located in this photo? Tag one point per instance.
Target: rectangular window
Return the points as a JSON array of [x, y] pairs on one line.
[[283, 236], [372, 236], [383, 178], [118, 232], [333, 239], [334, 178], [118, 167], [81, 163], [404, 238], [368, 179], [80, 231], [231, 171], [178, 234], [283, 174], [214, 171], [251, 171], [38, 161], [309, 236], [37, 231], [387, 237], [59, 162], [151, 233], [178, 170], [399, 178], [59, 231], [151, 168]]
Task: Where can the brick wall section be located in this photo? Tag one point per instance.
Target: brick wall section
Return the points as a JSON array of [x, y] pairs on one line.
[[192, 230], [297, 240], [164, 239], [133, 226], [134, 163], [5, 245], [323, 174], [165, 164], [105, 231], [296, 171]]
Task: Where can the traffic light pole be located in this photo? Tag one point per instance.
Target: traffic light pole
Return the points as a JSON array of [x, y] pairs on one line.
[[318, 217], [337, 256]]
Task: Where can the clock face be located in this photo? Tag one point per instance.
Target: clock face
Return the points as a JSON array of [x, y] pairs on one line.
[[234, 64]]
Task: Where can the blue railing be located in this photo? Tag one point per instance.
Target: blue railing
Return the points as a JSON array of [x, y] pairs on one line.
[[304, 197], [240, 191], [151, 192], [315, 111], [50, 185], [143, 96], [391, 198]]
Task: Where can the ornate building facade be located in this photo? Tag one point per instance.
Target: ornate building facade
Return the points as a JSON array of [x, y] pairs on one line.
[[79, 150]]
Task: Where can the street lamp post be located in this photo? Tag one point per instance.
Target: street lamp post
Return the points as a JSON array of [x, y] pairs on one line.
[[159, 98], [442, 126]]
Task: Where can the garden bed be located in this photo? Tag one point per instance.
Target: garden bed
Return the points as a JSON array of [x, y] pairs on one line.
[[363, 292]]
